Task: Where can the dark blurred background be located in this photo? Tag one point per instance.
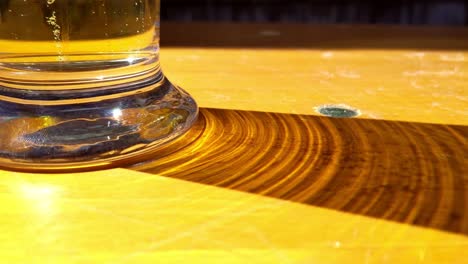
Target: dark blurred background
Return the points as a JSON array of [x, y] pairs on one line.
[[406, 12]]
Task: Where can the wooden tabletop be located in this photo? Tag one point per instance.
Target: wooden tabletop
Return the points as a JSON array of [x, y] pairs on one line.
[[262, 177]]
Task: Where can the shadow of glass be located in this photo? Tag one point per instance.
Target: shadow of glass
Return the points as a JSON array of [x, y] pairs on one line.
[[406, 172]]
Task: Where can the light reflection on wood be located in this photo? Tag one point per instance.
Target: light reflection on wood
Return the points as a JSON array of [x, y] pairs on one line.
[[121, 216]]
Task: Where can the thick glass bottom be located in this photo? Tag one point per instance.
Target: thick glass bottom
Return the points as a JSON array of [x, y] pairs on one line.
[[88, 130]]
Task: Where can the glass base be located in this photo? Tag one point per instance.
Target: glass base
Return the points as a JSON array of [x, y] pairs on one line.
[[92, 130]]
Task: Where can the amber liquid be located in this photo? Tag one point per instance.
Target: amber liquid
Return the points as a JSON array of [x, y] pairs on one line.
[[77, 44]]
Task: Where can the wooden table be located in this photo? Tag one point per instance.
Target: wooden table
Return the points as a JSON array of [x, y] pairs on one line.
[[262, 178]]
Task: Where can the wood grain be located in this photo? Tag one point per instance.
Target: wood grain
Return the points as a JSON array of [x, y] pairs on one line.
[[407, 172], [344, 189]]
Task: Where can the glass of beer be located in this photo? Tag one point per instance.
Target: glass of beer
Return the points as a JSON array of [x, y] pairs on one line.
[[81, 84]]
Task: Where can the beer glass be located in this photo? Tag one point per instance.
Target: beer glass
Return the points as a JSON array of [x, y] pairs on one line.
[[81, 84]]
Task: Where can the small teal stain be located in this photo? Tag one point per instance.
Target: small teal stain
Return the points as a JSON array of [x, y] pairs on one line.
[[337, 111]]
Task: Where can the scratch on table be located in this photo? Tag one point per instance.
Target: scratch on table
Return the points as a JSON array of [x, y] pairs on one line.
[[267, 242], [453, 57], [415, 85], [443, 73], [229, 215], [349, 74], [415, 55], [435, 104], [221, 97], [326, 74]]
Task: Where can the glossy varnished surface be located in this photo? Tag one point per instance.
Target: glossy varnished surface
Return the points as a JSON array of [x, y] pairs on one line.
[[406, 172], [392, 73], [264, 178], [122, 217]]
